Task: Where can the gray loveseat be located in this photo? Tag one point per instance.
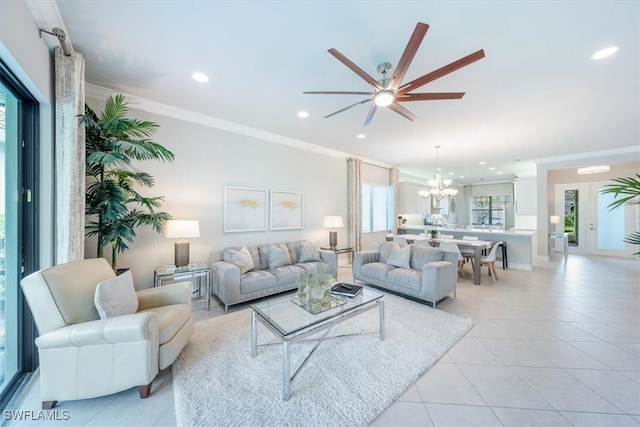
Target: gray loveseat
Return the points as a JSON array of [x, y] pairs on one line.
[[270, 274], [425, 273]]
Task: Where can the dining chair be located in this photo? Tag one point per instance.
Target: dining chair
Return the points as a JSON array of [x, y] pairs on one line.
[[490, 262], [468, 253]]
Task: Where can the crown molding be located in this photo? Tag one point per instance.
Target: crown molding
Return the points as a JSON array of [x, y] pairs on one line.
[[149, 106], [631, 149]]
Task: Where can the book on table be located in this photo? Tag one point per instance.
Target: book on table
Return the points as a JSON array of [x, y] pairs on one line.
[[346, 289]]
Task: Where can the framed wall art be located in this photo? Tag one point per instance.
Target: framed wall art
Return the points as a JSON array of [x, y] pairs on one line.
[[286, 210], [245, 209]]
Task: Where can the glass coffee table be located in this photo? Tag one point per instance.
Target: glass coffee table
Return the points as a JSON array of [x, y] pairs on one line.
[[292, 323]]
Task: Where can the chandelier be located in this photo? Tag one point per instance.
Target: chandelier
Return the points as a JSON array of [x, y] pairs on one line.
[[439, 186], [481, 200]]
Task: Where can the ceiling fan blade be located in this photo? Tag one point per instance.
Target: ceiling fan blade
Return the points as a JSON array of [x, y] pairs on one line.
[[372, 112], [353, 67], [440, 72], [429, 96], [408, 54], [346, 108], [333, 92], [402, 111]]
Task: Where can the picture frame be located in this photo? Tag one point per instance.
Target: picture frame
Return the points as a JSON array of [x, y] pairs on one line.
[[245, 209], [286, 210]]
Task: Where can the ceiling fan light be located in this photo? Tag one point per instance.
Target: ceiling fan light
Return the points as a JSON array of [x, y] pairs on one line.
[[384, 98]]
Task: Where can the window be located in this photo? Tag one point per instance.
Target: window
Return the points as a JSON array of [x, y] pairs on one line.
[[18, 230], [377, 208], [491, 211]]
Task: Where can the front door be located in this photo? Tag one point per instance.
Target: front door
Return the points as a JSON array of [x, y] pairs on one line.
[[592, 227]]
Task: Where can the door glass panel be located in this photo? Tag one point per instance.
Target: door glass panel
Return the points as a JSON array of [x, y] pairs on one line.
[[571, 216], [610, 225], [8, 235]]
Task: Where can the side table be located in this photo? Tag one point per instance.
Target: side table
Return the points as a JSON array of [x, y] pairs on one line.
[[195, 270], [565, 243], [339, 251]]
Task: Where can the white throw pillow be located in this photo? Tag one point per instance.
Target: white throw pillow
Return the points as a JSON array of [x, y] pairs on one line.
[[242, 259], [308, 252], [400, 256], [278, 256], [116, 296]]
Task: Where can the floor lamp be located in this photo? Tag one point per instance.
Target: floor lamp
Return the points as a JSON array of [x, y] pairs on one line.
[[182, 230]]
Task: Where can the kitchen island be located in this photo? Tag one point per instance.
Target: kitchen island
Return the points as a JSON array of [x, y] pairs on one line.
[[521, 244]]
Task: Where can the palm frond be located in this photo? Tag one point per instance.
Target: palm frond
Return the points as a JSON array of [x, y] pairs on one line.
[[628, 188]]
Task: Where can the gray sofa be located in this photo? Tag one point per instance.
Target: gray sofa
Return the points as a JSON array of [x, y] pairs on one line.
[[428, 274], [232, 286]]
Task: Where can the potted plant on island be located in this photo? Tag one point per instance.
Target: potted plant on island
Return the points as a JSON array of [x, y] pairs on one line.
[[113, 141]]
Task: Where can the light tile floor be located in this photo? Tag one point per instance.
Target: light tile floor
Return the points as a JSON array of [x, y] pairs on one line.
[[559, 346]]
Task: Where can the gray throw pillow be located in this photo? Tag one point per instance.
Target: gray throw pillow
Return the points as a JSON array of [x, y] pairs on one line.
[[308, 252], [278, 256], [385, 250], [116, 296], [400, 256], [241, 258], [421, 255]]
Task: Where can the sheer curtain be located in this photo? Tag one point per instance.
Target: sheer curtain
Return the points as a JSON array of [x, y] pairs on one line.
[[355, 200], [70, 157]]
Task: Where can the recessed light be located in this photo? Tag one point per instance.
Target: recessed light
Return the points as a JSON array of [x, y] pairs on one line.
[[451, 173], [482, 163], [199, 77], [492, 169], [605, 52], [361, 136], [499, 173], [303, 114], [461, 176]]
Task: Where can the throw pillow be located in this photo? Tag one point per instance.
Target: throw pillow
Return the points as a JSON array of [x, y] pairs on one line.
[[424, 255], [278, 256], [400, 256], [385, 250], [241, 258], [309, 252], [116, 296]]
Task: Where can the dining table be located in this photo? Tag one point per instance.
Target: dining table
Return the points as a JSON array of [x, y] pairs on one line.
[[477, 245]]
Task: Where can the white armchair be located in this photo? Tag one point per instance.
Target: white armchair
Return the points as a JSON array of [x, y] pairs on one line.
[[83, 356]]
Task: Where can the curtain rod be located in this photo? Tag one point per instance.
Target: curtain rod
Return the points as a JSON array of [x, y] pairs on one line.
[[65, 44]]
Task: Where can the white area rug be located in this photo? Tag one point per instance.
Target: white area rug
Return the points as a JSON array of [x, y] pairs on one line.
[[348, 381]]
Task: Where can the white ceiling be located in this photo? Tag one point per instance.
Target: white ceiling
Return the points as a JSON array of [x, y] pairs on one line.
[[536, 94]]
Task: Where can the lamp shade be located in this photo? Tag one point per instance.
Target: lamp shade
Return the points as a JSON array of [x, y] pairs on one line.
[[183, 229], [555, 219], [332, 222]]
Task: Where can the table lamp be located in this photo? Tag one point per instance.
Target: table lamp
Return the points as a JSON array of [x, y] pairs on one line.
[[333, 222], [554, 219], [182, 230]]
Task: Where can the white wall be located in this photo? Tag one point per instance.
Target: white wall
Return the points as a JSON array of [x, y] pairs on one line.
[[27, 56], [208, 159]]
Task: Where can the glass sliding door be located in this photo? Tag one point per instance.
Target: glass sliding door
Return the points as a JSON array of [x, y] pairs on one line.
[[18, 230], [8, 233]]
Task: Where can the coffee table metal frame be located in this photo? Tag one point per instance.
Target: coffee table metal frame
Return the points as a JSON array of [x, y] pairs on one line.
[[367, 301]]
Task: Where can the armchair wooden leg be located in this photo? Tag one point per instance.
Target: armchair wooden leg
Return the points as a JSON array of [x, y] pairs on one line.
[[48, 404], [144, 391]]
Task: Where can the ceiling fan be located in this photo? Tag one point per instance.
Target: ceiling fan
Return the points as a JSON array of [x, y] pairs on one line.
[[389, 92]]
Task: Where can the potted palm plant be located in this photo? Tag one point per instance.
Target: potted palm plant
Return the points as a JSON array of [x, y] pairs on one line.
[[116, 207], [626, 190]]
